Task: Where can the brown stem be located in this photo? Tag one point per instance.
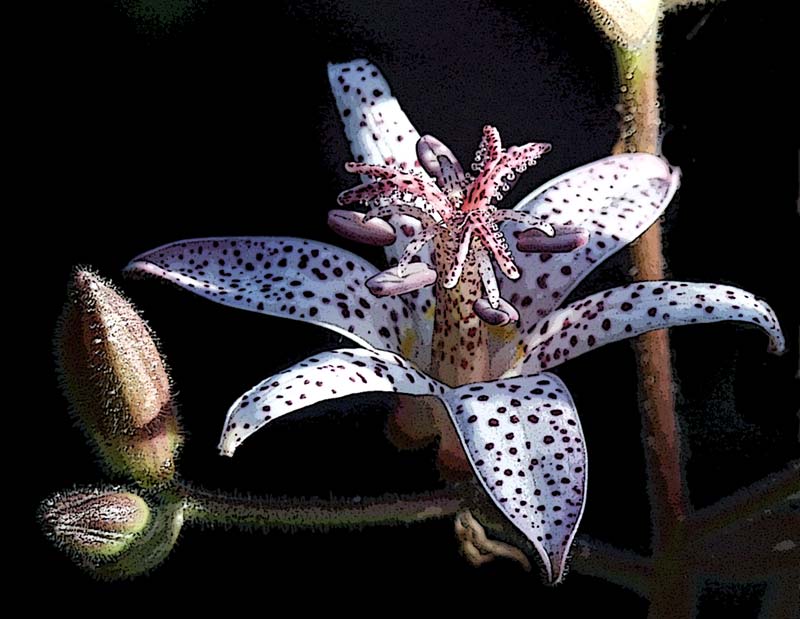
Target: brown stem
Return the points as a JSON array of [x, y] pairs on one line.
[[640, 121], [674, 595]]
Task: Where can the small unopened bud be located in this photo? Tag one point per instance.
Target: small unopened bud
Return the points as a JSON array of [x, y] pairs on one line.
[[351, 225], [390, 283], [112, 533], [565, 239], [116, 381], [95, 524], [628, 23], [503, 314]]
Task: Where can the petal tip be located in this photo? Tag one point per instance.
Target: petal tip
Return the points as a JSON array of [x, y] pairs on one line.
[[777, 345], [227, 444]]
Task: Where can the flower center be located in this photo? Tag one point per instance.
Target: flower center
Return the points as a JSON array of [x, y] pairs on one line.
[[457, 211]]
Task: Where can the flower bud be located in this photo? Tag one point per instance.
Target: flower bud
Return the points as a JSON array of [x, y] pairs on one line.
[[93, 523], [112, 533], [116, 381], [628, 23]]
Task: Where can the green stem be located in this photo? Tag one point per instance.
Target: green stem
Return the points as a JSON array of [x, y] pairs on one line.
[[210, 508], [215, 509]]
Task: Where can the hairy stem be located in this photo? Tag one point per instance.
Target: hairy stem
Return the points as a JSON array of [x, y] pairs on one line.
[[210, 508], [640, 123], [639, 132], [215, 509]]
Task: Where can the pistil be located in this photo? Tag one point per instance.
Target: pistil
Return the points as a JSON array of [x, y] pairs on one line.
[[460, 352]]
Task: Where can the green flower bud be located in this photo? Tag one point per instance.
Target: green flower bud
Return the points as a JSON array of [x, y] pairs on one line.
[[112, 533], [116, 381]]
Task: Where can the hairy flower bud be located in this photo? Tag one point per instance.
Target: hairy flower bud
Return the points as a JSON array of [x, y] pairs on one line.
[[116, 381], [94, 523], [113, 533]]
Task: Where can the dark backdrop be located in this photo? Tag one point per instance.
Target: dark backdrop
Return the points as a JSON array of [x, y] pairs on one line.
[[221, 123]]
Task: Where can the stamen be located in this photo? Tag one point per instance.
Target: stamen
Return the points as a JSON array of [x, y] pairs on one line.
[[386, 210], [414, 246], [521, 217], [352, 225], [440, 162], [457, 265], [503, 314], [402, 187], [566, 239], [496, 242], [391, 283], [486, 272]]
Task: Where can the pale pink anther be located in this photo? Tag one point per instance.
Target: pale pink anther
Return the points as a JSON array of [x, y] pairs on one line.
[[351, 225], [565, 239], [440, 162], [390, 283], [503, 314]]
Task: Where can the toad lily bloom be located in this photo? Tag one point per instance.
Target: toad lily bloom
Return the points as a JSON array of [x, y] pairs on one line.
[[439, 323]]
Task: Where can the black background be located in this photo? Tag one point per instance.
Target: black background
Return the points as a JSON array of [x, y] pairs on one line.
[[222, 124]]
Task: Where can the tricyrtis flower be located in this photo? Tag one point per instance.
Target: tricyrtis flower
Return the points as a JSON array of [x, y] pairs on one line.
[[445, 325]]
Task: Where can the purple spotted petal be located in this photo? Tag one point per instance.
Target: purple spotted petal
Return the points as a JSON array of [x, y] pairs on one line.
[[524, 439], [521, 435], [326, 376], [379, 132], [614, 199], [288, 277], [625, 312]]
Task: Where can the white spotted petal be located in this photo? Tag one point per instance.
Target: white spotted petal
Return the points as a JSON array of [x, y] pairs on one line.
[[288, 277], [614, 200], [380, 133], [634, 309], [522, 436], [524, 440], [327, 376]]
